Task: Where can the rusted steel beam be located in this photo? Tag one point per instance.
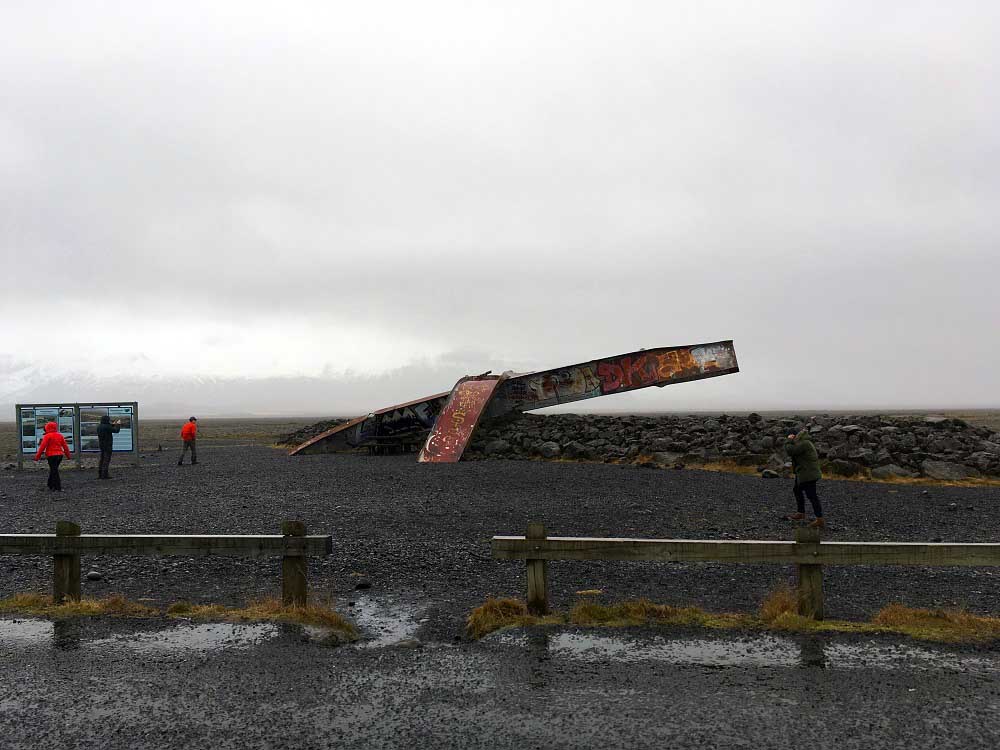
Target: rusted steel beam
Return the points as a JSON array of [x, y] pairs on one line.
[[459, 417], [605, 377], [517, 393]]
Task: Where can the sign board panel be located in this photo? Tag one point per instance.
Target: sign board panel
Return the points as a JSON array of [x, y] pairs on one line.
[[31, 421], [78, 425], [121, 416]]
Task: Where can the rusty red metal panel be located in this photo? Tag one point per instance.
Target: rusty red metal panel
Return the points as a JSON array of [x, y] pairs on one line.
[[618, 374], [458, 419]]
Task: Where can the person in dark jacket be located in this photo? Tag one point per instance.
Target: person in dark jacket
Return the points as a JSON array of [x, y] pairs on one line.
[[55, 448], [105, 439], [805, 464]]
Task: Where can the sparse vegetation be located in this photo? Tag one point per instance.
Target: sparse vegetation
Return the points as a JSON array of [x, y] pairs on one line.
[[495, 614], [42, 605], [778, 612], [266, 610]]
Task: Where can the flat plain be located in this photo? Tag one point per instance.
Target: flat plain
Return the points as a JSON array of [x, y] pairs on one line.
[[411, 558]]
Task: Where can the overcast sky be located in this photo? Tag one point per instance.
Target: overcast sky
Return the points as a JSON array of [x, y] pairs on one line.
[[403, 193]]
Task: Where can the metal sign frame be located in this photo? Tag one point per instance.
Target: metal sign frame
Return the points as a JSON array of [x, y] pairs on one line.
[[77, 437]]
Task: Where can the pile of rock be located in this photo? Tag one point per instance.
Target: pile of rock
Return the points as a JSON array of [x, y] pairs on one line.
[[878, 446], [308, 433]]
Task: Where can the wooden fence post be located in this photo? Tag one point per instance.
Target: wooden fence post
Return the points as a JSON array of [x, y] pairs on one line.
[[810, 576], [294, 589], [66, 568], [538, 590]]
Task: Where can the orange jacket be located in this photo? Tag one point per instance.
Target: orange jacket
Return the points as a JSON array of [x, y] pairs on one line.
[[189, 431], [53, 444]]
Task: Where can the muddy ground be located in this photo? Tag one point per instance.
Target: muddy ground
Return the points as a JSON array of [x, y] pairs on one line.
[[416, 538]]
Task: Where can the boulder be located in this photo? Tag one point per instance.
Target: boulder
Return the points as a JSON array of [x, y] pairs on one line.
[[862, 456], [495, 447], [889, 471], [845, 468], [665, 458], [577, 450], [549, 449], [948, 471]]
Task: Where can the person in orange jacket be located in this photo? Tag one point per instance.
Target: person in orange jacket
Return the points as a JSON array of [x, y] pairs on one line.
[[54, 447], [189, 434]]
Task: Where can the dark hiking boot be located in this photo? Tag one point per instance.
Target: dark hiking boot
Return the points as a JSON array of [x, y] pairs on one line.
[[819, 523], [796, 517]]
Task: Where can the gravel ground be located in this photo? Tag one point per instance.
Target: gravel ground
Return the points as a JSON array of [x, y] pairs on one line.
[[267, 687], [421, 532], [419, 535]]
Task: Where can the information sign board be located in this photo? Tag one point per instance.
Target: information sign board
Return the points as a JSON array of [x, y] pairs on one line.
[[78, 424], [32, 420], [121, 416]]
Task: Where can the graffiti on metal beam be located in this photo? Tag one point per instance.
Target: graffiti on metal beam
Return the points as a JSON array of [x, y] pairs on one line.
[[492, 396]]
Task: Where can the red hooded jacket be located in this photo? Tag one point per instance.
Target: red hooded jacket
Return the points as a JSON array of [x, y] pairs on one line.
[[53, 444], [189, 431]]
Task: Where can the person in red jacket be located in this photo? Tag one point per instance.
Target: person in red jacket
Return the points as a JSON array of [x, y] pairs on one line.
[[54, 447], [189, 433]]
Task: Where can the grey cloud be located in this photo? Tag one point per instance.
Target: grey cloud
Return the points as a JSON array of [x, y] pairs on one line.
[[542, 184]]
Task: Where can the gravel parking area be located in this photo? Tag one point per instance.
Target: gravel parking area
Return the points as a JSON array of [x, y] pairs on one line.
[[420, 532], [411, 558]]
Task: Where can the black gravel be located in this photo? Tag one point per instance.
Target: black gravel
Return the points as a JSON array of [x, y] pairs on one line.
[[419, 534], [422, 532], [86, 687]]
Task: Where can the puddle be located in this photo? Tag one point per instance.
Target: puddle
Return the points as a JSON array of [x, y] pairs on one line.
[[384, 623], [21, 633], [763, 651], [208, 637], [69, 635]]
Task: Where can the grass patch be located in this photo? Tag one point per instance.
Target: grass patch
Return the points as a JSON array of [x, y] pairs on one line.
[[778, 612], [268, 610], [496, 614], [953, 626], [41, 605], [265, 610]]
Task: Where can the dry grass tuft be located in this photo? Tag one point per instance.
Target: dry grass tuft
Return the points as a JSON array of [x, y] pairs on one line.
[[41, 605], [268, 610], [938, 624], [781, 601], [496, 614], [778, 612]]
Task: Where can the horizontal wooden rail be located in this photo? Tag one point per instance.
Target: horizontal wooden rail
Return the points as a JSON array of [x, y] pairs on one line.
[[67, 544], [698, 550], [165, 544], [807, 553]]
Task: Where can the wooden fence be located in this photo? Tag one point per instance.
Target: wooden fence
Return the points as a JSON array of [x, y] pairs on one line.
[[807, 553], [67, 544]]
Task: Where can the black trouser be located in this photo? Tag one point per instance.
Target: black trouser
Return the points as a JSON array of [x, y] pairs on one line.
[[803, 490], [104, 464], [189, 445], [54, 483]]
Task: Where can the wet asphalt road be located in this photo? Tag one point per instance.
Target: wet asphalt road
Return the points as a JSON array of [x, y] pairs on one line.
[[419, 535]]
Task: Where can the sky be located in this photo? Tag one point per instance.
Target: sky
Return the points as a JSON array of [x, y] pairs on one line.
[[325, 208]]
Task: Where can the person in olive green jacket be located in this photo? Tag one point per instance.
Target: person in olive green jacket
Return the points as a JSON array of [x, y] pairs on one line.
[[805, 464]]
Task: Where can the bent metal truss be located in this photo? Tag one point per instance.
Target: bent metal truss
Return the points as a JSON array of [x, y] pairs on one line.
[[446, 422]]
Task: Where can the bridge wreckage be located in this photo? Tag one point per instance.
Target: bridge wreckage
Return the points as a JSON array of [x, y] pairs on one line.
[[445, 422]]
